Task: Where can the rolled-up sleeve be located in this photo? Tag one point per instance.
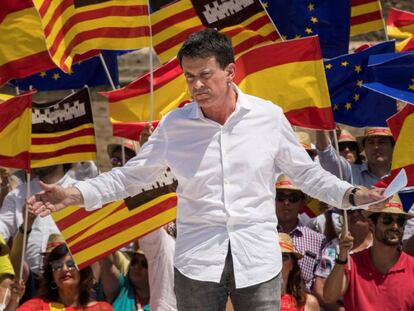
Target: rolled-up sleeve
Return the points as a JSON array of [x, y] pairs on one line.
[[127, 180], [329, 161]]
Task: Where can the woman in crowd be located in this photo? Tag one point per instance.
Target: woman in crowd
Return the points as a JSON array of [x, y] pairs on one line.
[[294, 297], [63, 286]]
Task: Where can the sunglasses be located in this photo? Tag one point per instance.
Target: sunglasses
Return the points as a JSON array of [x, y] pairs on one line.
[[292, 198], [58, 265], [139, 262], [349, 145], [388, 220]]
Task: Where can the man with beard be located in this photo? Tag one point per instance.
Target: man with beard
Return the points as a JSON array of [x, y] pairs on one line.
[[39, 229], [380, 277]]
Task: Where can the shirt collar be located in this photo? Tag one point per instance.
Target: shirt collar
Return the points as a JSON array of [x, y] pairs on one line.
[[242, 102]]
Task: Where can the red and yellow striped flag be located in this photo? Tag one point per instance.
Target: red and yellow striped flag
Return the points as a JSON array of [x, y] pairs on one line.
[[63, 132], [129, 107], [366, 16], [15, 130], [77, 26], [93, 235], [402, 127], [400, 25], [246, 26], [20, 24], [290, 74]]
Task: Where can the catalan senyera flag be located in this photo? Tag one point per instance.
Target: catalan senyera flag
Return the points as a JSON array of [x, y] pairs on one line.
[[400, 25], [78, 26], [246, 24], [27, 55], [402, 127], [130, 105], [290, 74], [93, 235], [62, 131], [15, 131], [366, 16]]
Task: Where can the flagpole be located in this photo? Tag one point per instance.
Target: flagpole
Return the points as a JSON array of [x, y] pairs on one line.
[[108, 74], [271, 20], [341, 175], [383, 21], [151, 64], [26, 216]]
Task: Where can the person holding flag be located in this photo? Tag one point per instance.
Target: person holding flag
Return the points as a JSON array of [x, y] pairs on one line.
[[224, 148]]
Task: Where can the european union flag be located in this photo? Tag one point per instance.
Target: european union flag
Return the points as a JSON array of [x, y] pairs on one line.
[[351, 103], [89, 72], [394, 75], [327, 18]]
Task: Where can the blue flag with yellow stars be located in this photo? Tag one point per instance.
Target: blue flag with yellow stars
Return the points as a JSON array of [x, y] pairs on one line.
[[353, 104], [394, 75], [327, 18], [89, 72]]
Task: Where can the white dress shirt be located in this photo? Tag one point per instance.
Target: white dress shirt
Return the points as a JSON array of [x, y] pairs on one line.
[[226, 186], [11, 217]]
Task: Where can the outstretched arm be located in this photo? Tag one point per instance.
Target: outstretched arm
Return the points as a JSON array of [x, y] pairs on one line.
[[53, 198]]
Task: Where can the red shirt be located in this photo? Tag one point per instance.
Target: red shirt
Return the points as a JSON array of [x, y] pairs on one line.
[[369, 289], [39, 304]]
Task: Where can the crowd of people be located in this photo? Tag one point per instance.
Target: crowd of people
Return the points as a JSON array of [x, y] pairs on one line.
[[245, 238]]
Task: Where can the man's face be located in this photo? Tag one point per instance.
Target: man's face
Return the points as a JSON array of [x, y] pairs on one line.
[[389, 229], [349, 151], [207, 82], [288, 205], [378, 150]]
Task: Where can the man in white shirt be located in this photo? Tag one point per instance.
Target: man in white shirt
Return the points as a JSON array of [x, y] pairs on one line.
[[224, 148]]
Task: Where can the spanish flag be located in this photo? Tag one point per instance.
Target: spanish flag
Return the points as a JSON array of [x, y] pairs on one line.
[[62, 131], [400, 25], [290, 74], [93, 235], [77, 26], [129, 107], [366, 16], [15, 131], [402, 127], [23, 50], [246, 25]]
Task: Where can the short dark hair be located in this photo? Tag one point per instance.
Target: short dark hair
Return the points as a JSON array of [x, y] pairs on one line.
[[208, 43], [48, 288]]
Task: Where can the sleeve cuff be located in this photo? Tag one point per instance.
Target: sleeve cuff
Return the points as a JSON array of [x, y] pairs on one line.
[[91, 201]]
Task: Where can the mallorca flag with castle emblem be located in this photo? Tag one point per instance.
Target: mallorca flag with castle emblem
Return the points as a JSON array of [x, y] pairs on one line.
[[328, 19], [93, 235], [351, 103], [245, 22]]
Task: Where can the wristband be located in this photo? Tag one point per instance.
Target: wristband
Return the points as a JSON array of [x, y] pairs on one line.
[[352, 196], [341, 262]]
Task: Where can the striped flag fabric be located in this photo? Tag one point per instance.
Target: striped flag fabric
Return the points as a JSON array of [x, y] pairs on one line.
[[77, 26], [62, 131], [400, 25], [15, 130], [246, 23], [20, 24], [129, 107], [366, 16], [93, 235], [301, 88]]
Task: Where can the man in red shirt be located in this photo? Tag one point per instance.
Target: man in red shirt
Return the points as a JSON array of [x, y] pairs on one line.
[[380, 277]]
